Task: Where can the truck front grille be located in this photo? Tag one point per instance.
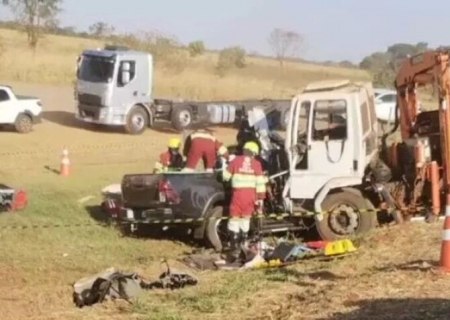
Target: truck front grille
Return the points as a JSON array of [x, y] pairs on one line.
[[90, 99]]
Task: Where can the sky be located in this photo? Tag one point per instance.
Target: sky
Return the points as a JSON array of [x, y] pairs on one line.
[[333, 29]]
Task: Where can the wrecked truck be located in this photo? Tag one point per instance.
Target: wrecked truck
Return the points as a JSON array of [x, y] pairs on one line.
[[328, 161]]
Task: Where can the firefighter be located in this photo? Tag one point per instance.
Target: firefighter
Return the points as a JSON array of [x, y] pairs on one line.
[[170, 160], [248, 191], [203, 145]]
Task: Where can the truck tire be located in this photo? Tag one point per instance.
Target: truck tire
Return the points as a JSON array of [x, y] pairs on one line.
[[181, 117], [23, 123], [137, 121], [335, 226], [215, 229]]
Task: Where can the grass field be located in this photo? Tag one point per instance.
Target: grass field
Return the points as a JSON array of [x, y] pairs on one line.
[[38, 265]]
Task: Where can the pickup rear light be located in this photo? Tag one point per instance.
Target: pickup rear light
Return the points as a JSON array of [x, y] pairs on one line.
[[167, 194]]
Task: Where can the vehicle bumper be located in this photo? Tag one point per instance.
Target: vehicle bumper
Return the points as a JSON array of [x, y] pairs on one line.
[[99, 115], [160, 216]]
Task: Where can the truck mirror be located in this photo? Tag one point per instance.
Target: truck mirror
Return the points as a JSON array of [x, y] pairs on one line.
[[125, 77]]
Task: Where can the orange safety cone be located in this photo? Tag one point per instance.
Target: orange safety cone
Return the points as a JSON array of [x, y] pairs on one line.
[[444, 263], [65, 163]]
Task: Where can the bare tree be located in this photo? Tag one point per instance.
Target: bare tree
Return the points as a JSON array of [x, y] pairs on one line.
[[285, 44], [35, 16], [101, 29]]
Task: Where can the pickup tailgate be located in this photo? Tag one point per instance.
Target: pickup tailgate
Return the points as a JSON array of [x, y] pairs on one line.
[[140, 190]]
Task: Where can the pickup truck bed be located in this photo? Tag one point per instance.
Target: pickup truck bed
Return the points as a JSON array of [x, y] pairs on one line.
[[169, 196]]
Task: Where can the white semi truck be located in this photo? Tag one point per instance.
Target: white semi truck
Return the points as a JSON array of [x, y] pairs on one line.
[[114, 87]]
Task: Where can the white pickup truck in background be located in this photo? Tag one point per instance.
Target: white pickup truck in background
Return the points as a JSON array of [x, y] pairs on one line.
[[385, 102], [19, 111]]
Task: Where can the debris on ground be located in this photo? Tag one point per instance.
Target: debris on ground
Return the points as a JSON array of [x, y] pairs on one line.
[[263, 255], [114, 284], [11, 199]]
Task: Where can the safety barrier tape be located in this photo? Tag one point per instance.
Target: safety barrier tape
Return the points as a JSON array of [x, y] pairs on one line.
[[164, 222], [81, 164], [82, 147], [48, 226], [302, 214]]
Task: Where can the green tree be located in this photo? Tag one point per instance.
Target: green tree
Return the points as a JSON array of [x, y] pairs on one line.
[[231, 57], [196, 48], [285, 43], [35, 16], [101, 30]]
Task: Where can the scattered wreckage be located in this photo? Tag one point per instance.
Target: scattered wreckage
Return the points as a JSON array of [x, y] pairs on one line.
[[11, 199], [115, 284]]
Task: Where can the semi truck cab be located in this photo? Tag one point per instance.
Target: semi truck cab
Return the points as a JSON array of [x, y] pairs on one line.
[[114, 87]]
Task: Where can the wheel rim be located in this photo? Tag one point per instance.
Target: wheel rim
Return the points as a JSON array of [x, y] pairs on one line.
[[184, 117], [24, 124], [344, 219], [138, 121]]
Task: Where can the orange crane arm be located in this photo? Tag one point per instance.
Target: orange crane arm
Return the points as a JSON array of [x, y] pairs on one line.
[[431, 67]]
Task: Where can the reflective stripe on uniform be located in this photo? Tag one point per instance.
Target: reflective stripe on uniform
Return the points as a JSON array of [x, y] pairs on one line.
[[159, 167], [260, 184], [222, 151], [226, 175], [243, 181]]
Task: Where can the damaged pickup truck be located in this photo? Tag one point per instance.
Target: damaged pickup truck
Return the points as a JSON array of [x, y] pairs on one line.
[[328, 161]]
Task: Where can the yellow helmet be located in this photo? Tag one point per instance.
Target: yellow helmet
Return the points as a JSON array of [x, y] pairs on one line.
[[174, 143], [252, 146]]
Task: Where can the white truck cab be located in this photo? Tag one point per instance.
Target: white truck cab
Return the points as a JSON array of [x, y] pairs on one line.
[[20, 111]]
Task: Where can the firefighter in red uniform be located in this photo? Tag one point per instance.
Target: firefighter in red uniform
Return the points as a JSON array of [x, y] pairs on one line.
[[203, 145], [170, 160], [248, 192]]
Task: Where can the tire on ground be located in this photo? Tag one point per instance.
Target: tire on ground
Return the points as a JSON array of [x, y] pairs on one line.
[[180, 111], [367, 220], [211, 231], [140, 114], [23, 123]]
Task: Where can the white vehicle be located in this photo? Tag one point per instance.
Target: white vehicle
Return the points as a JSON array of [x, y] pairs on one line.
[[385, 101], [20, 111]]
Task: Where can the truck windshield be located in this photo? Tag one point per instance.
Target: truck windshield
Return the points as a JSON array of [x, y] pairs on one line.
[[96, 69]]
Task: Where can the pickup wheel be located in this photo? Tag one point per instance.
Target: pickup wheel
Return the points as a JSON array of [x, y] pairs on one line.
[[181, 117], [216, 230], [137, 121], [345, 222], [23, 123]]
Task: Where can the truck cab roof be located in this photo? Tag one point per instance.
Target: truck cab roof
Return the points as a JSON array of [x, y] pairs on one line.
[[109, 53], [3, 86]]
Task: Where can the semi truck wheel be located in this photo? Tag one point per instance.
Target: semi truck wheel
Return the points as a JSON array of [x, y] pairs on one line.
[[345, 222], [23, 123], [137, 121], [181, 117], [216, 230]]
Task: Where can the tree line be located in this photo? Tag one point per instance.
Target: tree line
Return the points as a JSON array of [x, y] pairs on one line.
[[36, 18]]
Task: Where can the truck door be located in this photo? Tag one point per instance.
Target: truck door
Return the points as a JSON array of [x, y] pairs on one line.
[[8, 108], [329, 150]]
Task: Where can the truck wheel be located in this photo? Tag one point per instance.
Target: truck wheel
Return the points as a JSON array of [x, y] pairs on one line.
[[137, 121], [23, 123], [216, 230], [181, 117], [346, 222]]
